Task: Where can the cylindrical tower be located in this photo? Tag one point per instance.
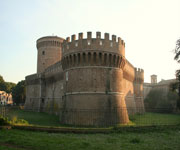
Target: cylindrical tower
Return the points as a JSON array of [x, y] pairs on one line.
[[49, 52], [93, 74]]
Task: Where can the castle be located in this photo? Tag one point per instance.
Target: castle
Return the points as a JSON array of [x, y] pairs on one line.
[[86, 81]]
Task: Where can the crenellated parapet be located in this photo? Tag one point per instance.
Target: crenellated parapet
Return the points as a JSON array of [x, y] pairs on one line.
[[93, 51], [139, 75], [89, 43]]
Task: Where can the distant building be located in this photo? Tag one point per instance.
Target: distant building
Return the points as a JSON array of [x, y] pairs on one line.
[[5, 98], [163, 85], [161, 95]]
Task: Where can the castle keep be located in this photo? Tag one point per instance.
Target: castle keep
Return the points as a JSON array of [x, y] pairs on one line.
[[86, 81]]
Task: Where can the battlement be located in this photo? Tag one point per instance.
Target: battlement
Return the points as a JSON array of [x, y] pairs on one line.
[[139, 75], [49, 41], [116, 45]]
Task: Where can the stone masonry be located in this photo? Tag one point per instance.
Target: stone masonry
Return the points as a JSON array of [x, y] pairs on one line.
[[86, 81]]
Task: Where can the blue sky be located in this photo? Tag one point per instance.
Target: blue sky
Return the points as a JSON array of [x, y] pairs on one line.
[[150, 29]]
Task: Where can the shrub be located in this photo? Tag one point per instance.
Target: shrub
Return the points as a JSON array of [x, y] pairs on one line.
[[4, 121], [16, 121]]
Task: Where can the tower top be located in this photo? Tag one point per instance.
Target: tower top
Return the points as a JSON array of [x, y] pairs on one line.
[[49, 41], [114, 45]]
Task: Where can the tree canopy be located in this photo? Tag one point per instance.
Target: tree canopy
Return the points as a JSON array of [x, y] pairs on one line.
[[177, 58], [177, 51], [19, 93], [6, 86]]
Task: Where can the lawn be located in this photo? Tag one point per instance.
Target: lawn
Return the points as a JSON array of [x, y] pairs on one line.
[[155, 119], [28, 140], [44, 119], [34, 118]]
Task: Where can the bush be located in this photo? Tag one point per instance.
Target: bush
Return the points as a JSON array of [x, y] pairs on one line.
[[16, 121], [4, 121]]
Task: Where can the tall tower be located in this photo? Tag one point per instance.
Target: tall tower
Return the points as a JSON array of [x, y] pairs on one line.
[[93, 73], [138, 89], [49, 52], [153, 79]]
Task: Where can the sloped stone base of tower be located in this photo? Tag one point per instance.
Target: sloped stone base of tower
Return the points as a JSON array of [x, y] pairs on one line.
[[94, 110]]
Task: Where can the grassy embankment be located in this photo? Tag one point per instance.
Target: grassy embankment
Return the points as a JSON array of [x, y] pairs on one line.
[[44, 119], [166, 139], [26, 140]]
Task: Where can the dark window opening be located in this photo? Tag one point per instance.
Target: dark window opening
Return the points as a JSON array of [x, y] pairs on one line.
[[42, 100]]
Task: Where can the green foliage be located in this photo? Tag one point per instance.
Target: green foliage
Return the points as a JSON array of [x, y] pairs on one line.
[[177, 51], [3, 121], [19, 93], [35, 118], [149, 119], [2, 84], [9, 87], [6, 86], [158, 98], [177, 58], [20, 139], [135, 140], [16, 121]]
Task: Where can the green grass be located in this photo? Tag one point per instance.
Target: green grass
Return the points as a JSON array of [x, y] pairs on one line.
[[44, 119], [34, 118], [155, 119], [28, 140]]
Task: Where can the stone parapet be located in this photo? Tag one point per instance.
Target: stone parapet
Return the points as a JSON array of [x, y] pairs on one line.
[[89, 43]]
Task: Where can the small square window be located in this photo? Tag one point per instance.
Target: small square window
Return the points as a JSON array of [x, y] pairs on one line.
[[43, 52]]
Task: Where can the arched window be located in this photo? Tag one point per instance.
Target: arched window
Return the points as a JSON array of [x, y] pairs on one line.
[[70, 60], [89, 57], [114, 60], [79, 57], [110, 60], [117, 62], [74, 59], [94, 58], [105, 59], [84, 58], [100, 58]]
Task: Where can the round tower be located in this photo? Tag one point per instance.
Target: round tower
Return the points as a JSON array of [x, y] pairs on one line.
[[93, 74], [49, 52]]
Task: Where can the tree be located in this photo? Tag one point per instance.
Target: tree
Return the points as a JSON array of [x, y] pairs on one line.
[[177, 58], [177, 51], [2, 84], [9, 87], [19, 93], [6, 86]]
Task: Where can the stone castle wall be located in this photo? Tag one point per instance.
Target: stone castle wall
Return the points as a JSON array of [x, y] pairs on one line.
[[92, 74]]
